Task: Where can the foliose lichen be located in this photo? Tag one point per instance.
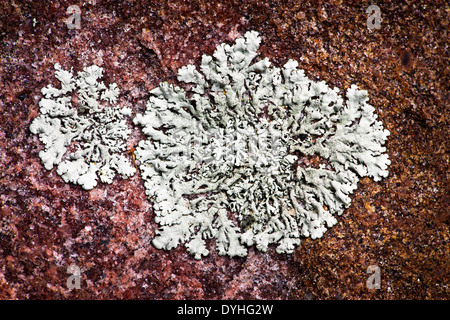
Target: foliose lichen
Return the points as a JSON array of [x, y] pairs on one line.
[[245, 153], [83, 132], [229, 156]]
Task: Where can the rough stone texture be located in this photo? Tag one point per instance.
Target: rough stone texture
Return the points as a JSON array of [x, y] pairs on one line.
[[400, 224]]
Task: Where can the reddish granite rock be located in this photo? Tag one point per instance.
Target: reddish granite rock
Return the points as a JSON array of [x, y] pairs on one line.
[[400, 224]]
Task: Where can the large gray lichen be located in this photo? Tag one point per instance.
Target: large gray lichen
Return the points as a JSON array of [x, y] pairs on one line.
[[85, 141], [227, 156]]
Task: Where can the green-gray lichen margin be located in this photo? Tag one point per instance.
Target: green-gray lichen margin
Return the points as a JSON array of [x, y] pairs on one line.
[[225, 156]]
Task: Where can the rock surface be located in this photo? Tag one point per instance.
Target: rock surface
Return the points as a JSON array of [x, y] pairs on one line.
[[400, 224]]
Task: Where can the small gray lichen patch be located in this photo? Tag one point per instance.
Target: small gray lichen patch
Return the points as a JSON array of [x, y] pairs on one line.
[[224, 158], [83, 132]]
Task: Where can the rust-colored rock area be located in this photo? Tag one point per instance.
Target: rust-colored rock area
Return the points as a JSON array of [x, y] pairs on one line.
[[400, 224]]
